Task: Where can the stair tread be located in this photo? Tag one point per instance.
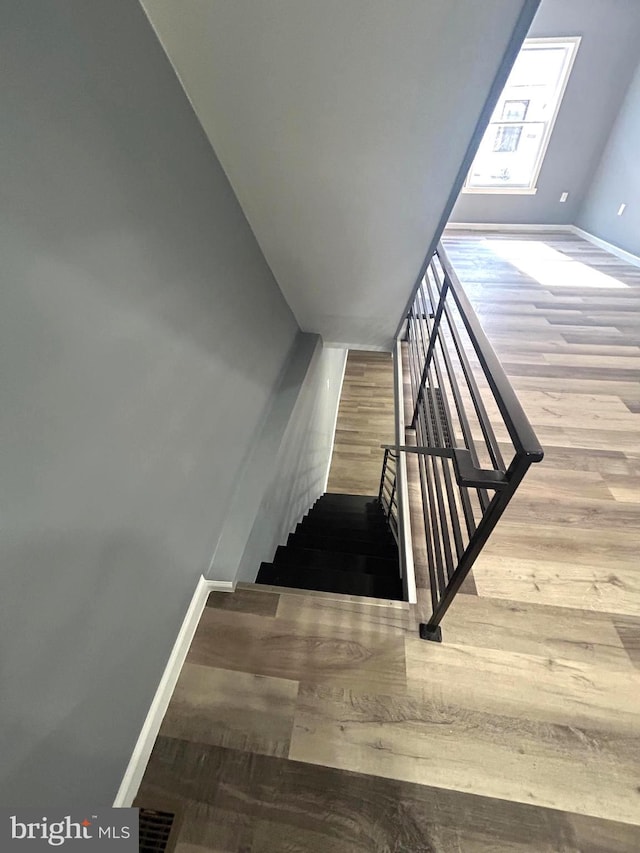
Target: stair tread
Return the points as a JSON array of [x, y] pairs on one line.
[[353, 583], [376, 515], [348, 502], [347, 496], [347, 506], [341, 598], [345, 531], [316, 558], [357, 523], [321, 542]]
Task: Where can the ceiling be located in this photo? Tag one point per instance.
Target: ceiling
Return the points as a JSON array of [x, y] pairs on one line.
[[341, 125]]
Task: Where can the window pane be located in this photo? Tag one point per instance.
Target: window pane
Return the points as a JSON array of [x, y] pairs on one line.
[[507, 137], [514, 110], [507, 158]]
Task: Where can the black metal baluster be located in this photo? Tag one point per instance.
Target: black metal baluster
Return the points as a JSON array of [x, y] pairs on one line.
[[465, 428], [437, 439], [444, 558]]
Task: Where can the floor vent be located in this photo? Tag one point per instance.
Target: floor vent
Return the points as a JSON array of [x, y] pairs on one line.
[[155, 831]]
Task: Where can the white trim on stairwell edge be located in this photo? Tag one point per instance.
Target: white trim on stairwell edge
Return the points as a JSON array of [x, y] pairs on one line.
[[608, 247], [149, 732]]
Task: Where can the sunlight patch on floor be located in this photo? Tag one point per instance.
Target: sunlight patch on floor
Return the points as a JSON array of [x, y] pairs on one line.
[[550, 267]]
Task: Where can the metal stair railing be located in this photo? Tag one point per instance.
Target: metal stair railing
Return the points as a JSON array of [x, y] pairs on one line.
[[467, 419], [388, 492]]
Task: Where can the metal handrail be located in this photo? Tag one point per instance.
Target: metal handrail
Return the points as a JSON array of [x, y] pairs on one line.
[[522, 434], [465, 483]]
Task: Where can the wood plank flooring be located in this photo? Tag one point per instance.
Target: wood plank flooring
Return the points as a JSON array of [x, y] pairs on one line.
[[329, 726], [572, 535], [365, 421], [321, 723], [239, 801]]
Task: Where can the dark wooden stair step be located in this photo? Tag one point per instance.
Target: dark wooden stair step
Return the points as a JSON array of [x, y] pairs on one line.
[[320, 542], [339, 521], [331, 580], [356, 521], [308, 558], [353, 502], [372, 516], [381, 537]]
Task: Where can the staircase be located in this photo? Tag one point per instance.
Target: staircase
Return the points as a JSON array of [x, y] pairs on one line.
[[344, 545]]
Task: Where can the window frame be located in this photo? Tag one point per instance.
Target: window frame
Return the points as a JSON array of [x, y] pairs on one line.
[[532, 189]]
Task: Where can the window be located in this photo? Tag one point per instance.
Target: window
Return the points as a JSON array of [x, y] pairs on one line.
[[507, 137], [514, 110], [510, 155]]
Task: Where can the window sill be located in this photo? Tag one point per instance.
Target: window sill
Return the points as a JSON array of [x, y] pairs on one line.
[[500, 190]]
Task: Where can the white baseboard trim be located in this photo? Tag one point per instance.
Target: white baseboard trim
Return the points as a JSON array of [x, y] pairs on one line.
[[335, 422], [608, 247], [502, 226], [149, 732]]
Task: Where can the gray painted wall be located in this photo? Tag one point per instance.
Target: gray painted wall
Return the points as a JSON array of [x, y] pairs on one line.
[[142, 337], [618, 180], [604, 65], [287, 468]]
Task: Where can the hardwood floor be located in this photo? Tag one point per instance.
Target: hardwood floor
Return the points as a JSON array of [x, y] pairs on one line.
[[329, 726], [240, 801], [572, 535], [365, 421], [316, 722]]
